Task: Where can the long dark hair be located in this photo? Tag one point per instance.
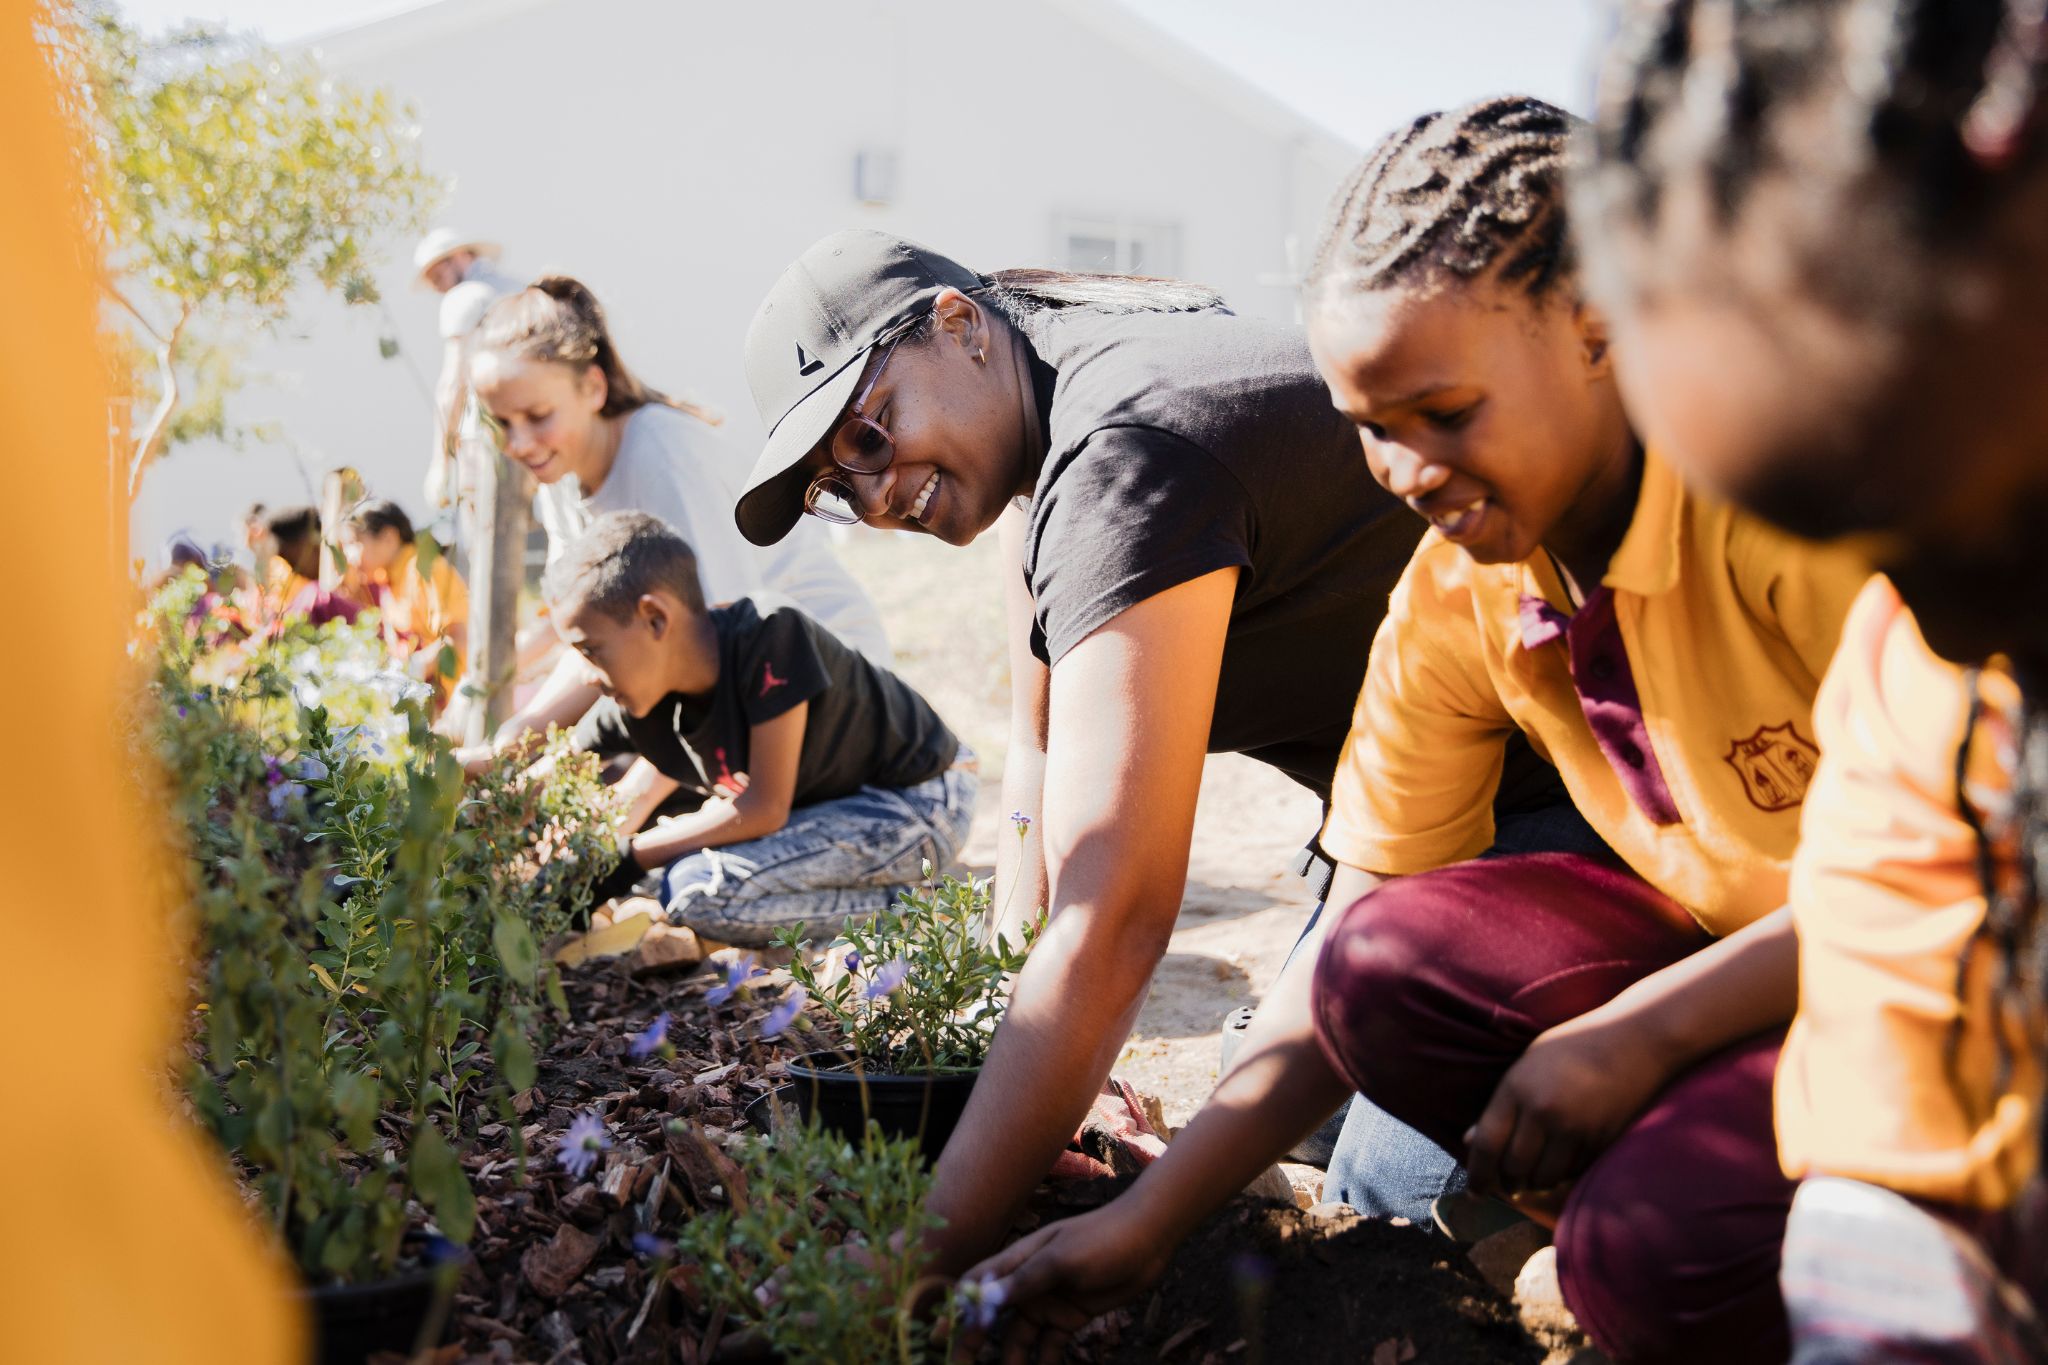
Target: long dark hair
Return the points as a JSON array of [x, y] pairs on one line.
[[557, 318]]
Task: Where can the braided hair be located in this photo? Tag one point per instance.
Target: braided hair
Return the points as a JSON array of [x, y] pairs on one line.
[[1888, 128], [1454, 195], [1877, 142], [2014, 926]]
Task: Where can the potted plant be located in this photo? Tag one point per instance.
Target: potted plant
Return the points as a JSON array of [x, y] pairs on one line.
[[917, 999]]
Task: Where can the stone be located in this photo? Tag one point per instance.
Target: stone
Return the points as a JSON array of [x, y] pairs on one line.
[[665, 948]]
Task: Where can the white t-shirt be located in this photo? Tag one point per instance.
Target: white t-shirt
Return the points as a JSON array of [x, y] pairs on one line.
[[463, 307], [675, 467]]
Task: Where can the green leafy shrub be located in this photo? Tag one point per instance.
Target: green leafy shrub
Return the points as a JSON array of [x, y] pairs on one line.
[[366, 922], [925, 981], [820, 1252]]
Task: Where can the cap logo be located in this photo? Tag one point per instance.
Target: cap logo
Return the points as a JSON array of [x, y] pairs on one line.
[[804, 364]]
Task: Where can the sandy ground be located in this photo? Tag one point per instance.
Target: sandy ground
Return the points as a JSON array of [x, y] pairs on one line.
[[1242, 910]]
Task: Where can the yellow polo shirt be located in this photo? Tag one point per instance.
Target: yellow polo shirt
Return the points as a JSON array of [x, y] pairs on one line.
[[1891, 1071], [1676, 703]]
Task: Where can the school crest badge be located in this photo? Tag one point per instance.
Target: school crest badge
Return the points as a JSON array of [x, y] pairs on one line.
[[1776, 766]]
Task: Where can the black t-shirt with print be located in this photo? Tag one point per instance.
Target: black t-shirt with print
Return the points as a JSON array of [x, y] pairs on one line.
[[1183, 443], [866, 726]]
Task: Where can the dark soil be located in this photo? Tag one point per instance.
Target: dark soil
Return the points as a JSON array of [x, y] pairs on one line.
[[555, 1277], [1268, 1283]]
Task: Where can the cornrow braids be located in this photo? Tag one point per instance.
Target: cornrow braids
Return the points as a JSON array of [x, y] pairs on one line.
[[2015, 928], [1891, 124], [1456, 194]]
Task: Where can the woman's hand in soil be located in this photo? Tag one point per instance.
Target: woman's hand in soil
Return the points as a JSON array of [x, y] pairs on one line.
[[1561, 1105], [1060, 1277]]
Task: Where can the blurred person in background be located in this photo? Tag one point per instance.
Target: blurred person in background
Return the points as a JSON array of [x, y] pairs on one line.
[[465, 272]]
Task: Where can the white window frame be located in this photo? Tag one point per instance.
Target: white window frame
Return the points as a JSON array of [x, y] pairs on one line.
[[1159, 242]]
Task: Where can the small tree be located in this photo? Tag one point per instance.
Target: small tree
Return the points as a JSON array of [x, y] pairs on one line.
[[228, 176]]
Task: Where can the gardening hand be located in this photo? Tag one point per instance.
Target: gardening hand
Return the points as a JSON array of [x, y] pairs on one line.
[[1059, 1278], [1561, 1105]]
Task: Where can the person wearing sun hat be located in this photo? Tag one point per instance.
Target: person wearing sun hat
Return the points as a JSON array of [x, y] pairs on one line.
[[464, 271], [1196, 560]]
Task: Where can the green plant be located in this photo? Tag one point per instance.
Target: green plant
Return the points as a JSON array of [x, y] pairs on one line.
[[364, 922], [228, 177], [821, 1249], [924, 981]]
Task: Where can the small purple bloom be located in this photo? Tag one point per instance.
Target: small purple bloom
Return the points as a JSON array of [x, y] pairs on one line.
[[888, 979], [779, 1019], [312, 769], [853, 960], [653, 1038], [648, 1245], [181, 713], [273, 771], [1021, 821], [980, 1301], [581, 1146], [738, 973], [284, 793]]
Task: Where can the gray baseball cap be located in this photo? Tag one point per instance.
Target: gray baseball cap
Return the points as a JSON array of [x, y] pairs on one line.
[[807, 348]]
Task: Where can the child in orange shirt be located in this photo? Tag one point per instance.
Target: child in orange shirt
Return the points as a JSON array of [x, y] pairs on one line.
[[1595, 1033], [1827, 227], [291, 577], [422, 611]]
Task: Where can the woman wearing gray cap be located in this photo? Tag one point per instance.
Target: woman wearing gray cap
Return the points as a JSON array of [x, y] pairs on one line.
[[1201, 561]]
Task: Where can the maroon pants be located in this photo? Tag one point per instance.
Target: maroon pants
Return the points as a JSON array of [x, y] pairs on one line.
[[1428, 989]]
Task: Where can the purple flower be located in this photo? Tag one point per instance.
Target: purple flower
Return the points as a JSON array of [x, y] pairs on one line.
[[653, 1038], [888, 979], [779, 1019], [181, 713], [284, 793], [648, 1245], [312, 769], [583, 1143], [980, 1301], [853, 960], [273, 771], [1021, 821], [738, 973]]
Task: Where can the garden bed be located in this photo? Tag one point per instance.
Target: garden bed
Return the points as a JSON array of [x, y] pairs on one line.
[[557, 1277]]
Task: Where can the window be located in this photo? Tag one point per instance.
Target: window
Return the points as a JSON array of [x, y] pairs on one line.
[[1117, 246]]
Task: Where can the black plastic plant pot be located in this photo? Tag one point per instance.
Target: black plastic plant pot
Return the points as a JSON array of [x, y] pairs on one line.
[[925, 1107], [352, 1322]]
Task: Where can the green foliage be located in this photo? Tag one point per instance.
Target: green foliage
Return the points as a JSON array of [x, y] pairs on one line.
[[954, 980], [228, 177], [821, 1251], [366, 921]]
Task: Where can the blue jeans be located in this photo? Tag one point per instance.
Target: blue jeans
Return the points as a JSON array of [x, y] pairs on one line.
[[1378, 1164], [833, 862]]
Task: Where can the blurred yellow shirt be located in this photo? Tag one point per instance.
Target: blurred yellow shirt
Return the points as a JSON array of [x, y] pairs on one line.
[[418, 610], [1890, 1073], [1675, 702]]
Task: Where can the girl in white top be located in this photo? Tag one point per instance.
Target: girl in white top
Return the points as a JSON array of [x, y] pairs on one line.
[[550, 384]]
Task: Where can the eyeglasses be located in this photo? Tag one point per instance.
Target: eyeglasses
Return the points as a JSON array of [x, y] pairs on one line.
[[860, 445]]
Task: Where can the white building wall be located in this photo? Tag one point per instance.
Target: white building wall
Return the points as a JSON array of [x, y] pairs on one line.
[[675, 154]]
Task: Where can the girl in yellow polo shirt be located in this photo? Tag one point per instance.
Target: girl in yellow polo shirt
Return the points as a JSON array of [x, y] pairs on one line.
[[1835, 285], [1597, 1032]]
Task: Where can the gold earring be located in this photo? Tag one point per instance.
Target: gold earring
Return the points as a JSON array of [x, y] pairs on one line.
[[981, 355]]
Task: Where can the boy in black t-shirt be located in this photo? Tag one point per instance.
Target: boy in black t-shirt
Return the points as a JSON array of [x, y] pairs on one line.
[[815, 784]]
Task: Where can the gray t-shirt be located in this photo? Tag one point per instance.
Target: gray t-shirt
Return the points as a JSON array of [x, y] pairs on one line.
[[673, 466]]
